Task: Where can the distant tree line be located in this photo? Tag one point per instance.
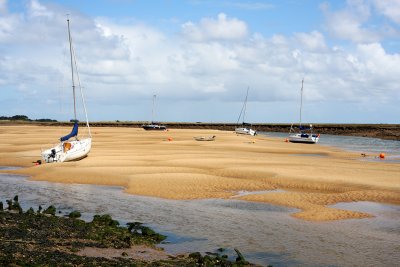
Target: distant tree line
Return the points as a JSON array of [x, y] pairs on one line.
[[23, 118]]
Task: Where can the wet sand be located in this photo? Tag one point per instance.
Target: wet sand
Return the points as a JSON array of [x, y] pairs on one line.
[[146, 163]]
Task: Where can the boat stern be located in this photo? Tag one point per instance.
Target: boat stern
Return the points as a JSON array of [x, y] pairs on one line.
[[53, 154]]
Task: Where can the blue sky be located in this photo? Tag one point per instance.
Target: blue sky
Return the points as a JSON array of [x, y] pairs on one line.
[[199, 57]]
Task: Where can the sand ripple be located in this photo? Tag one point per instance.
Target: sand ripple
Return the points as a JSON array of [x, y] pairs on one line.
[[146, 163]]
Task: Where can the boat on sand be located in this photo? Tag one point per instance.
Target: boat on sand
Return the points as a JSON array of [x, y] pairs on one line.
[[244, 128], [305, 133], [154, 126], [204, 138], [71, 149]]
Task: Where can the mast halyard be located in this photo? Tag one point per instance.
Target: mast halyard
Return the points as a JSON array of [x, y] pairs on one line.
[[301, 99], [83, 99], [72, 69]]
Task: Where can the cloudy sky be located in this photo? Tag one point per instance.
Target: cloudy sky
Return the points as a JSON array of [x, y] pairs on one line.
[[199, 58]]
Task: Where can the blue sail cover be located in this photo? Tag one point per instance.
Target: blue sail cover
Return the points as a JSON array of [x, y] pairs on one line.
[[73, 133]]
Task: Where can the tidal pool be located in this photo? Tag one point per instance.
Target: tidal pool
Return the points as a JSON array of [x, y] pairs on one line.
[[265, 234]]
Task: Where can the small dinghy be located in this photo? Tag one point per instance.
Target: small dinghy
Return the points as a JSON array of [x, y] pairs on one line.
[[204, 138]]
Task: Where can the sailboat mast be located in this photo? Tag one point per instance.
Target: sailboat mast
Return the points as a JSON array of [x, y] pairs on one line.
[[72, 69], [243, 110], [245, 104], [152, 109], [301, 98]]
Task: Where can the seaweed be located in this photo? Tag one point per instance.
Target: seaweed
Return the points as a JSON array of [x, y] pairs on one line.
[[41, 238]]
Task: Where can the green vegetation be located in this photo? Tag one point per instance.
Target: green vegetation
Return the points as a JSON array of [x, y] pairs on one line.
[[50, 210], [138, 229], [13, 204], [42, 239], [23, 118], [74, 214]]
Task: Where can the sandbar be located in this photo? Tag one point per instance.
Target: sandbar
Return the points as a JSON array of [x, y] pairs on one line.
[[172, 165]]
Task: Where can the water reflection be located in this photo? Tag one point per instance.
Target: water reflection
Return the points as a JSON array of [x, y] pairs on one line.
[[265, 234]]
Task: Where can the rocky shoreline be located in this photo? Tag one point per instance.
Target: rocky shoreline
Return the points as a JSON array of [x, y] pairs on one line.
[[40, 238], [382, 131]]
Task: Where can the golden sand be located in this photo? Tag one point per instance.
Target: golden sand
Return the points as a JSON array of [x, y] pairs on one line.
[[147, 163]]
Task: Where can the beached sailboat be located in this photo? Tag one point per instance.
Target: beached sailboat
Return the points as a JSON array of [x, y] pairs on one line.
[[154, 126], [244, 128], [77, 148], [305, 134]]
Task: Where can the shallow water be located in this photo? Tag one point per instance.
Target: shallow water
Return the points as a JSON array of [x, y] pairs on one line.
[[264, 233], [370, 146]]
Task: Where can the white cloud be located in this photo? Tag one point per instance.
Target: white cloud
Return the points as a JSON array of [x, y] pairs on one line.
[[222, 28], [212, 60], [364, 21], [389, 8], [349, 23], [38, 10], [8, 23], [381, 67], [313, 41], [3, 7]]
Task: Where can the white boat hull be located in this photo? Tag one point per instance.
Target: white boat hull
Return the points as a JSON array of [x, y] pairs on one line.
[[154, 127], [204, 138], [245, 131], [304, 138], [68, 151]]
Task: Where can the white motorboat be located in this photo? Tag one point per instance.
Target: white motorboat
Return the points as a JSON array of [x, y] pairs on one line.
[[77, 148]]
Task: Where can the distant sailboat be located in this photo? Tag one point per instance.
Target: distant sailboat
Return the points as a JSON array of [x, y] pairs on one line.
[[154, 126], [69, 150], [305, 134], [245, 128]]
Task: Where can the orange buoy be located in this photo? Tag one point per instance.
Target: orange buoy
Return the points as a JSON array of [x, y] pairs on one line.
[[286, 140], [382, 155], [169, 138]]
